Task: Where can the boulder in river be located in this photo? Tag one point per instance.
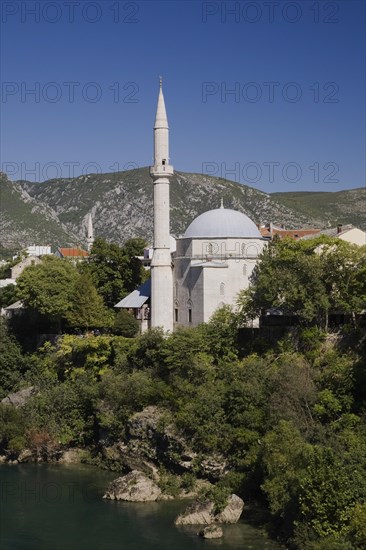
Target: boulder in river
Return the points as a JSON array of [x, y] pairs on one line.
[[211, 532], [198, 513], [133, 487], [203, 513], [232, 511]]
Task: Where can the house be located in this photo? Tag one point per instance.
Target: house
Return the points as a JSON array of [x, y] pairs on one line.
[[38, 250], [18, 268], [347, 233], [138, 303], [269, 231], [73, 253], [12, 309]]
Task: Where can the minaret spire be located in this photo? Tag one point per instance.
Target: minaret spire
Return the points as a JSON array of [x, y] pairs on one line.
[[161, 267], [90, 233]]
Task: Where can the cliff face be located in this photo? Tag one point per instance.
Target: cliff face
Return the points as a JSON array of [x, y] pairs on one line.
[[55, 211]]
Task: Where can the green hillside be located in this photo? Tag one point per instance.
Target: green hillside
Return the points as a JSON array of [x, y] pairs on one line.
[[25, 221], [331, 209]]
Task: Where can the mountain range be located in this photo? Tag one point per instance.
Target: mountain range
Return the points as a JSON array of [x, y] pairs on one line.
[[55, 211]]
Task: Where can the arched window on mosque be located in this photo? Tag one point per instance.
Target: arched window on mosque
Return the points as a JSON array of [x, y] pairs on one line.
[[189, 307], [222, 289], [210, 249]]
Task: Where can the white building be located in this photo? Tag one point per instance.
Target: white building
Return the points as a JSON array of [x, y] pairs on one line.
[[38, 250], [212, 262]]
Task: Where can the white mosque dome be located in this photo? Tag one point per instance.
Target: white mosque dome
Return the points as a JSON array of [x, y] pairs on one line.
[[222, 223]]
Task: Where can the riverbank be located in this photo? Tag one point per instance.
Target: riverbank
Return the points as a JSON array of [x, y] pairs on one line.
[[60, 506]]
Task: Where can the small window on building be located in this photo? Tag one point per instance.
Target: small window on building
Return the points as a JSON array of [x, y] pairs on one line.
[[176, 315], [189, 316], [222, 289], [210, 249], [163, 162]]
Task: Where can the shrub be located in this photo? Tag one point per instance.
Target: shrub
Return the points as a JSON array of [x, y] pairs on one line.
[[125, 324]]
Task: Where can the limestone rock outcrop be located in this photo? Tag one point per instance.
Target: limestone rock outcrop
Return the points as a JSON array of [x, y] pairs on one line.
[[19, 398], [203, 513], [153, 440], [71, 456], [26, 455], [133, 487]]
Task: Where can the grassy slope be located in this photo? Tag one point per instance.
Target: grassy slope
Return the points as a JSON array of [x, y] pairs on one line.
[[331, 208]]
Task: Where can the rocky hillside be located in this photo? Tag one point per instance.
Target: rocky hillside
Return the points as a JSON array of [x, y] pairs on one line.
[[55, 211], [26, 220]]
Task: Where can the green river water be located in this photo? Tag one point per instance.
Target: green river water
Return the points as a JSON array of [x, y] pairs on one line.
[[53, 507]]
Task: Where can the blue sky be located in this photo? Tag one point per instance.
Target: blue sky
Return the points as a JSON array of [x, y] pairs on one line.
[[296, 119]]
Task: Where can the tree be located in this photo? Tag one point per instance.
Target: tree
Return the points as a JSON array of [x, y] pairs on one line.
[[334, 481], [308, 279], [285, 458], [87, 307], [133, 272], [12, 429], [115, 270], [11, 361], [8, 295], [221, 334], [344, 273], [48, 288], [125, 324]]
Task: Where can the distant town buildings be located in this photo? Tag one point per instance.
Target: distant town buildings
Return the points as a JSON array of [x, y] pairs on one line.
[[270, 230], [38, 250]]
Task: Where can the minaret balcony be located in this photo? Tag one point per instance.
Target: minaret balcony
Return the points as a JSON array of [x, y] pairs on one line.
[[161, 170]]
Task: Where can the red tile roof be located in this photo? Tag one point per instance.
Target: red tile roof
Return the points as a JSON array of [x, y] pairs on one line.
[[73, 252], [291, 233]]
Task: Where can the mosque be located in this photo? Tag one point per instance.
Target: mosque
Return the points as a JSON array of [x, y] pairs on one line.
[[200, 271]]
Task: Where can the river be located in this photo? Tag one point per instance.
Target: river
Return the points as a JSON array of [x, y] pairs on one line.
[[54, 507]]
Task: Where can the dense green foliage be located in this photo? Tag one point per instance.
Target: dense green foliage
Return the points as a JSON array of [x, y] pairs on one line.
[[289, 421], [115, 270], [48, 287], [8, 295], [125, 324], [11, 361], [56, 296], [87, 309], [308, 279]]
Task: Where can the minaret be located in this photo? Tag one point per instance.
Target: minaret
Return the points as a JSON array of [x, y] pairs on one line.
[[161, 267], [90, 234]]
